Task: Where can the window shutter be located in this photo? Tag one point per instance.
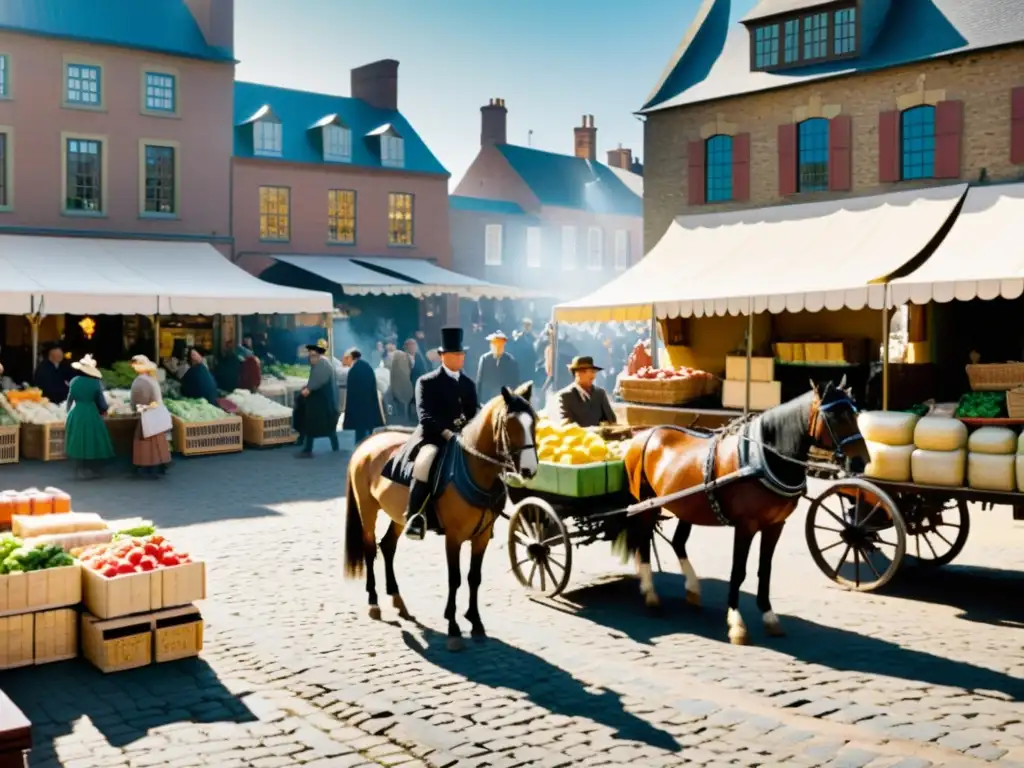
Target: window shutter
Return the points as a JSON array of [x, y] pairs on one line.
[[787, 159], [695, 173], [840, 153], [1017, 125], [741, 167], [889, 146], [949, 129]]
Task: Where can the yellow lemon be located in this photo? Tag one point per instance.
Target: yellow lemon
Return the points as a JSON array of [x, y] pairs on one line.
[[566, 458], [597, 452]]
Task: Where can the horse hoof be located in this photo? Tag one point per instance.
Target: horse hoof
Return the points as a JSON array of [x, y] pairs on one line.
[[774, 630], [693, 598], [455, 644], [480, 636], [375, 613], [399, 605], [739, 638]]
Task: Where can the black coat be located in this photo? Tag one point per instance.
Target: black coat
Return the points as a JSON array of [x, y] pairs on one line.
[[362, 401], [494, 373], [54, 380], [442, 403]]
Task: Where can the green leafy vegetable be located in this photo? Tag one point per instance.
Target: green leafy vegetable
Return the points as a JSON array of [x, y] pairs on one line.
[[982, 405]]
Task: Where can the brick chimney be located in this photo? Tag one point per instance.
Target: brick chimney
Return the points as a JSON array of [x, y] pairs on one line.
[[620, 158], [586, 139], [377, 84], [216, 20], [493, 123]]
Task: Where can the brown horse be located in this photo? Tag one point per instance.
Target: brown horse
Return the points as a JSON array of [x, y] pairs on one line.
[[770, 454], [501, 437]]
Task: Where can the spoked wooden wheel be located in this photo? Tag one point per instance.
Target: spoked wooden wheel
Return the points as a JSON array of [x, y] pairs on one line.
[[938, 528], [856, 534], [539, 547]]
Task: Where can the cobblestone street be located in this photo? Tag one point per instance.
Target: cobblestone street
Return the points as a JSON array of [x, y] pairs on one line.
[[294, 673]]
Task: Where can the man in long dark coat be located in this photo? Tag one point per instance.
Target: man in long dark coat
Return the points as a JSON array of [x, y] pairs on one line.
[[496, 369], [54, 374], [362, 400], [316, 408]]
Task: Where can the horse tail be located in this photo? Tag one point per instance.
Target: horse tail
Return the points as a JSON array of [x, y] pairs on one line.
[[354, 563]]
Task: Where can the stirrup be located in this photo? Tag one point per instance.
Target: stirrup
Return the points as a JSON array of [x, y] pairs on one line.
[[414, 532]]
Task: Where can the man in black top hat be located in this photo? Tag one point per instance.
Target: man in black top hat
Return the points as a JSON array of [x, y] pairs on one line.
[[583, 402], [445, 402]]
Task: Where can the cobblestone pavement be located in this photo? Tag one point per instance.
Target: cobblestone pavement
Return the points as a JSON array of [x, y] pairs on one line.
[[294, 673]]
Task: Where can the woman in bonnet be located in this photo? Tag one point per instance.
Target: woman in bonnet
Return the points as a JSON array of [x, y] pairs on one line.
[[87, 439], [149, 454]]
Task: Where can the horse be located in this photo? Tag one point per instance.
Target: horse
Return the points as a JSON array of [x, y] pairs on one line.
[[501, 437], [770, 454]]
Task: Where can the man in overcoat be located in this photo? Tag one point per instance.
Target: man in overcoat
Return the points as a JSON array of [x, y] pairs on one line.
[[583, 402], [363, 412], [445, 402], [496, 369]]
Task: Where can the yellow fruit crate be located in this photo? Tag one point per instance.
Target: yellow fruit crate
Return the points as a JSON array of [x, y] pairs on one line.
[[113, 645], [262, 433], [110, 598]]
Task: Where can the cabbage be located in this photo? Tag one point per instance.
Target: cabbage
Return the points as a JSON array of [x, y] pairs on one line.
[[258, 405], [193, 410]]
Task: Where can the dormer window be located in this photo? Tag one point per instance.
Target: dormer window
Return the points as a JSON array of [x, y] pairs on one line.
[[392, 146], [811, 37], [337, 144], [267, 138]]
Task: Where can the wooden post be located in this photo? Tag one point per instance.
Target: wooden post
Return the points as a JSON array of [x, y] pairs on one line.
[[35, 320], [655, 362], [885, 352], [329, 319], [554, 356], [750, 353], [156, 339]]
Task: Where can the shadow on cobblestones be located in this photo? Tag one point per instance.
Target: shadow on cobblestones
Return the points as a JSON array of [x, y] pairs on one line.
[[498, 665], [984, 595], [615, 604]]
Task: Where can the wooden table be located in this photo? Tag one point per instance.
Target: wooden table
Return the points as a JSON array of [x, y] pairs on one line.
[[15, 735]]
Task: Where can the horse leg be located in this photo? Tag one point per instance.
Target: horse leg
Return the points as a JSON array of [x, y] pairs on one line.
[[369, 556], [769, 539], [478, 548], [452, 550], [740, 552], [643, 564], [388, 547], [679, 539]]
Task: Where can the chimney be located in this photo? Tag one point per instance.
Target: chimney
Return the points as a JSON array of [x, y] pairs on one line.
[[493, 123], [620, 158], [586, 139], [216, 20], [377, 84]]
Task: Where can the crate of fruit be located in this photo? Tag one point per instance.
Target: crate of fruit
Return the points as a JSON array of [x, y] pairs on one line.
[[10, 442], [114, 645], [43, 442], [263, 431], [36, 578], [203, 438], [666, 386]]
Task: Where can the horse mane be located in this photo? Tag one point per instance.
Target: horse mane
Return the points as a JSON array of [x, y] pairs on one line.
[[785, 429], [494, 412]]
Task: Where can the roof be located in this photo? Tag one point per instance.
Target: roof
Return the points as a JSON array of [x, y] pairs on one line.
[[161, 26], [727, 263], [299, 113], [566, 181], [766, 8], [634, 181], [714, 60], [483, 205]]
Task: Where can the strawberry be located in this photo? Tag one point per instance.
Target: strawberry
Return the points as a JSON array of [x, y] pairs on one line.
[[110, 571], [169, 560], [151, 549], [135, 555], [124, 568], [148, 563]]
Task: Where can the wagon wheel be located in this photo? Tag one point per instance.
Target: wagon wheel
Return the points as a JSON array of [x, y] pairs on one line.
[[939, 528], [862, 528], [539, 547]]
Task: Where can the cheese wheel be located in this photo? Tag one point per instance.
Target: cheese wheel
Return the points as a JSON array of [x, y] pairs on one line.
[[1020, 471], [934, 433], [887, 427], [997, 441], [889, 462], [944, 468], [1020, 443], [988, 472]]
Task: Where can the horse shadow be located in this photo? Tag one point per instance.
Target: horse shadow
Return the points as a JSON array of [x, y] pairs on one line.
[[615, 603], [497, 665], [983, 595]]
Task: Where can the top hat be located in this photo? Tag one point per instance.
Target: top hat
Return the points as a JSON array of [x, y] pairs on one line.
[[497, 336], [320, 346], [451, 340], [584, 363]]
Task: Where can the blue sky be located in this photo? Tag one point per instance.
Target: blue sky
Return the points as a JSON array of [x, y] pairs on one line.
[[551, 60]]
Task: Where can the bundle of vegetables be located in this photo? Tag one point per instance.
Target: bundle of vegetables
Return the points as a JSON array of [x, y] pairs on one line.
[[257, 405], [119, 402], [193, 410], [288, 371], [132, 555], [28, 395], [19, 557], [42, 412], [7, 409], [119, 376], [981, 405], [6, 420], [920, 409], [132, 529]]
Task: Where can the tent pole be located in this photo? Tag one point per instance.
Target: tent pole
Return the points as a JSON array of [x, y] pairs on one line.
[[885, 353], [329, 320], [554, 356], [156, 338], [750, 353], [655, 362]]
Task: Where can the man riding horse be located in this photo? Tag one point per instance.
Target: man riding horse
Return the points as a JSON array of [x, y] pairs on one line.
[[445, 402]]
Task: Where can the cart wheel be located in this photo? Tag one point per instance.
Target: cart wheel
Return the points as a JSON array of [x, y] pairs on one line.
[[862, 527], [939, 529], [539, 547]]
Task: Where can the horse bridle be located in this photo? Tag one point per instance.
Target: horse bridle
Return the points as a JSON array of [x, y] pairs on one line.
[[506, 456], [822, 412]]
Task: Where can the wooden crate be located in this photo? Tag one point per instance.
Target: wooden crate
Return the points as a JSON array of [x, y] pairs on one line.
[[761, 368], [56, 635], [143, 592], [9, 444], [43, 442], [16, 636], [40, 590], [207, 437], [122, 433], [177, 634], [113, 645], [763, 394], [262, 432]]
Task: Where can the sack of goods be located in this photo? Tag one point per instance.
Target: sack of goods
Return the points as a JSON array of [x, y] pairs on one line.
[[889, 436], [992, 459], [939, 457]]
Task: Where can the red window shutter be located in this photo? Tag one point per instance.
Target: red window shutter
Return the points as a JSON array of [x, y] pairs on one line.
[[840, 153], [1017, 125], [787, 159], [889, 146], [741, 167], [695, 173], [949, 129]]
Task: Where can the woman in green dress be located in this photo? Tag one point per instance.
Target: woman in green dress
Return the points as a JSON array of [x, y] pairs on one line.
[[87, 439]]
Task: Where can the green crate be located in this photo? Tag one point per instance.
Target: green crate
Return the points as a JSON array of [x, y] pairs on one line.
[[616, 471], [577, 481]]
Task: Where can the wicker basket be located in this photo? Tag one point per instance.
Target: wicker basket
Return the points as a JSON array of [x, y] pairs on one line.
[[204, 438], [44, 442], [1015, 403], [9, 444], [263, 432], [995, 377], [665, 391]]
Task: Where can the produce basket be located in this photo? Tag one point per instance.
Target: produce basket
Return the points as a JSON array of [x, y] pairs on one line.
[[9, 444], [203, 438], [1015, 403], [262, 432], [665, 391], [44, 442], [122, 433], [995, 377]]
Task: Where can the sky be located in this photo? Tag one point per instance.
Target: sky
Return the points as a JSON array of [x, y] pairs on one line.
[[551, 60]]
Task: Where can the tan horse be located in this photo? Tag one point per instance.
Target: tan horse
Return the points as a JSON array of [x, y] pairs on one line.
[[502, 437]]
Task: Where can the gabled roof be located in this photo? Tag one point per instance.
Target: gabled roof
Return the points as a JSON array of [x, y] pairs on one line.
[[714, 60], [766, 8], [298, 110], [483, 205], [161, 26], [566, 181]]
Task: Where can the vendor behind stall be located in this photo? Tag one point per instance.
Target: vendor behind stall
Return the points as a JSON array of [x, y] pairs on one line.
[[53, 376], [198, 382], [583, 402]]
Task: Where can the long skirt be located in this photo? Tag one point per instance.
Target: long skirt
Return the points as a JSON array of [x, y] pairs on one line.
[[150, 451]]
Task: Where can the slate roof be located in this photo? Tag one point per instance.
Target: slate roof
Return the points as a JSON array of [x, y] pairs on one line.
[[766, 8], [300, 111], [160, 26], [566, 181], [483, 205], [716, 63]]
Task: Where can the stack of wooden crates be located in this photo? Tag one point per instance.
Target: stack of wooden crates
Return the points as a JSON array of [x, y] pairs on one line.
[[765, 392], [38, 616]]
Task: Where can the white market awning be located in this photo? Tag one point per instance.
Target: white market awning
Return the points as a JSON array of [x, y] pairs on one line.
[[77, 275], [806, 257], [440, 280], [982, 257], [354, 279]]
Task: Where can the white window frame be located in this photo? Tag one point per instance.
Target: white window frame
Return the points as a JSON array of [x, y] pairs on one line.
[[621, 249], [87, 75], [392, 150], [595, 248], [493, 245], [267, 138], [534, 247], [569, 248], [337, 144], [5, 76]]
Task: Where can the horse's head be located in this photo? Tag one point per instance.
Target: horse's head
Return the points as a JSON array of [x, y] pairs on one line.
[[833, 425], [519, 426]]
